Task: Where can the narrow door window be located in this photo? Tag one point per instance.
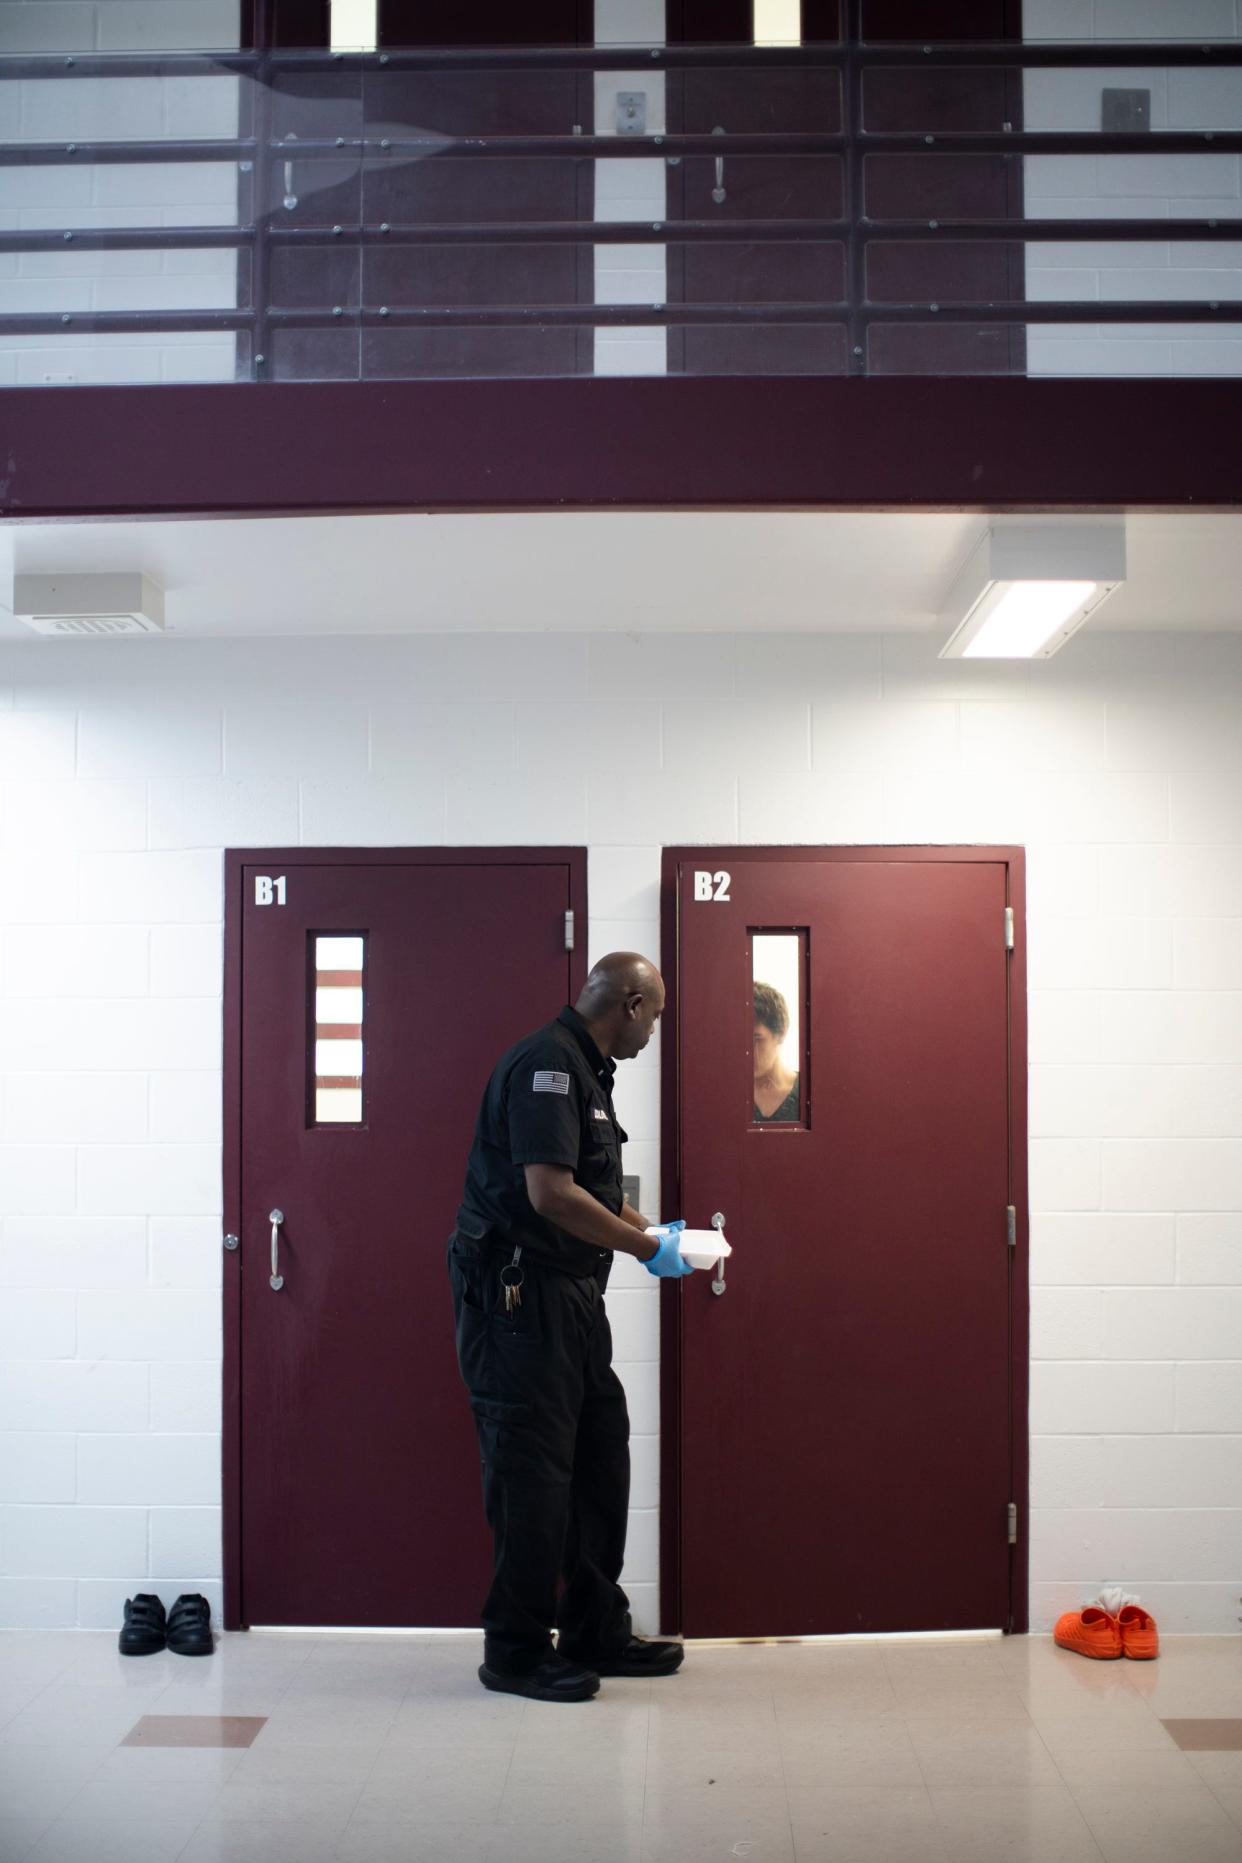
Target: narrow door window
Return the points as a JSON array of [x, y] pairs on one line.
[[780, 1092], [338, 1028], [353, 27], [778, 22]]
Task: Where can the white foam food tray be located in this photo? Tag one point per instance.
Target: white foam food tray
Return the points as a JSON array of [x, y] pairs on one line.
[[702, 1248]]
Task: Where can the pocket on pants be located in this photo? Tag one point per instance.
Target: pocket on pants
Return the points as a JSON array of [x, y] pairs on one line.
[[480, 1291], [510, 1438]]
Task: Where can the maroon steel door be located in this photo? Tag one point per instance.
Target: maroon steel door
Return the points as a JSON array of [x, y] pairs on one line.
[[412, 266], [352, 1470], [732, 269], [845, 1403], [786, 189]]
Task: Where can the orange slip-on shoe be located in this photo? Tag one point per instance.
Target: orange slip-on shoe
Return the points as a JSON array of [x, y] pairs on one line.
[[1089, 1633], [1140, 1640]]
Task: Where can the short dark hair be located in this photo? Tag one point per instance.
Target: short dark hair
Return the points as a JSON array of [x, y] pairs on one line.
[[771, 1009]]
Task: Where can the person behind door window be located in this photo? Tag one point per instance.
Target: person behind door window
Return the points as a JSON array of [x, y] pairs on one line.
[[542, 1215], [777, 1090]]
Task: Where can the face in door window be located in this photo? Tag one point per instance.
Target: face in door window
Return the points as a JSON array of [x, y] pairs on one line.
[[777, 1087]]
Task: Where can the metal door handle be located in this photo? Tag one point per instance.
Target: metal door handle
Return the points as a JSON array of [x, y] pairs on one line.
[[291, 199], [718, 1285], [276, 1280], [718, 192]]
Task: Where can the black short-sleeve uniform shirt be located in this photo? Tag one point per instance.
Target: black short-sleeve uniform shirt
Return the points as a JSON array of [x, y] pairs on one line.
[[549, 1101]]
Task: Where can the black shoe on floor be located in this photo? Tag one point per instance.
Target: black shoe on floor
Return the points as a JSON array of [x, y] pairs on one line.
[[553, 1680], [189, 1626], [143, 1630], [636, 1657]]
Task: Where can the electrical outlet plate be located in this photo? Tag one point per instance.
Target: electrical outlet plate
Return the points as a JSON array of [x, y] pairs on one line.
[[1125, 111], [631, 113]]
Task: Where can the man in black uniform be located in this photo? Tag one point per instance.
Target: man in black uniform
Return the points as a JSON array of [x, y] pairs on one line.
[[542, 1216]]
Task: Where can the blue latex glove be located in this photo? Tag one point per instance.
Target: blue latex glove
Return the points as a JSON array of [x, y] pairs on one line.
[[668, 1261]]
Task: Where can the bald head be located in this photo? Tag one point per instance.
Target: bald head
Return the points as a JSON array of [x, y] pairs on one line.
[[621, 1003]]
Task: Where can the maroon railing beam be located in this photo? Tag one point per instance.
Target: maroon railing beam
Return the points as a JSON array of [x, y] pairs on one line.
[[803, 442]]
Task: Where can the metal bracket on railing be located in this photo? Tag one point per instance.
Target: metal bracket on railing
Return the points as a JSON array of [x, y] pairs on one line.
[[718, 192]]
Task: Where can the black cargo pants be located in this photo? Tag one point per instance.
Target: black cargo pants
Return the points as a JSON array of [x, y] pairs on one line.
[[554, 1436]]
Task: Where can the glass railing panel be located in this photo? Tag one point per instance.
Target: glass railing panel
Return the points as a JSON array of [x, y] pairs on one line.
[[767, 100], [479, 101], [94, 255], [1131, 99], [1135, 349], [750, 272], [764, 346], [915, 100], [942, 188], [303, 216], [946, 347], [1081, 100], [1065, 348]]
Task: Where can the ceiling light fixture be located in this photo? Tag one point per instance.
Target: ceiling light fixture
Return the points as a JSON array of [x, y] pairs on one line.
[[1026, 588]]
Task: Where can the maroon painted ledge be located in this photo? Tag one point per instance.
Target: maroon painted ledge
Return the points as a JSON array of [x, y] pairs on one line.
[[683, 442]]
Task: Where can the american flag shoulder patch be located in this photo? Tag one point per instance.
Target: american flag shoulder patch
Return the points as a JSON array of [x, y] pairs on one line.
[[547, 1080]]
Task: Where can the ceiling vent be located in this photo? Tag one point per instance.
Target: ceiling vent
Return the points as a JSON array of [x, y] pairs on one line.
[[98, 604]]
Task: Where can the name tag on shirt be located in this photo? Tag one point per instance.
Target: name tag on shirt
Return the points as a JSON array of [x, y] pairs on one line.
[[597, 1112], [547, 1081]]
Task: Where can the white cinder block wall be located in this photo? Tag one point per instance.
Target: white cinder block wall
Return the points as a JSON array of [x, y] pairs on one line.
[[127, 766], [1144, 187], [630, 188]]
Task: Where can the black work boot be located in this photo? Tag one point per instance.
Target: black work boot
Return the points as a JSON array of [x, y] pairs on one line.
[[637, 1657], [143, 1630], [554, 1679], [189, 1626]]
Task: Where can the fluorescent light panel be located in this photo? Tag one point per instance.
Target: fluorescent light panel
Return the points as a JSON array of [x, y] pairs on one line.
[[1024, 617], [1026, 589]]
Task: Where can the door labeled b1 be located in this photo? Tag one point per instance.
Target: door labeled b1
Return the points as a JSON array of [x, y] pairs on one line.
[[842, 1398], [369, 996]]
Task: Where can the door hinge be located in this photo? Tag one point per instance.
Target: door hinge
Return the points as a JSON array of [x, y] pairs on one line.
[[1013, 1523], [1009, 928], [1011, 1225], [569, 931]]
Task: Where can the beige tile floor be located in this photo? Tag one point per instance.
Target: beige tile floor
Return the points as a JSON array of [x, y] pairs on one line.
[[382, 1749]]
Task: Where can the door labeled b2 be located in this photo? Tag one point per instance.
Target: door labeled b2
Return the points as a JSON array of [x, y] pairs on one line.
[[844, 1411], [368, 996]]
